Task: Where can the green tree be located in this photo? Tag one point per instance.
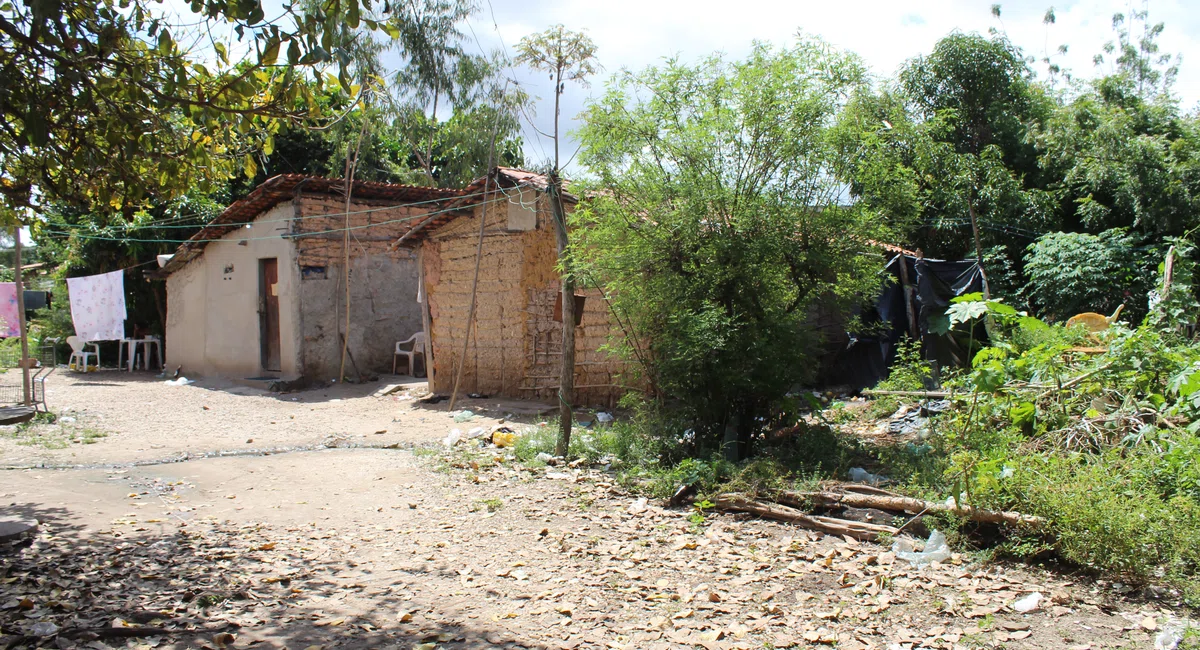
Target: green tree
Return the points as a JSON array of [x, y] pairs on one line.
[[106, 105], [565, 56], [946, 150], [1119, 151], [716, 227]]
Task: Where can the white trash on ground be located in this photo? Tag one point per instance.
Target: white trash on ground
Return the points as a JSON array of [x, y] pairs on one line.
[[455, 437], [464, 416], [639, 506], [1171, 634], [182, 381], [860, 475], [1028, 603], [936, 550]]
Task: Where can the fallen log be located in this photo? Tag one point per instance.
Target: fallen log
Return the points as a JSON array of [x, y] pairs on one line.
[[933, 394], [902, 504], [856, 529]]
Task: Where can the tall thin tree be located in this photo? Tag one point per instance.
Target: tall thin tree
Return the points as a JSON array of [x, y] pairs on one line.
[[565, 56]]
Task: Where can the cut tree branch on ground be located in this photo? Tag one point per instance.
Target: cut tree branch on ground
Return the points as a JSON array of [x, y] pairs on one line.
[[895, 503], [857, 530]]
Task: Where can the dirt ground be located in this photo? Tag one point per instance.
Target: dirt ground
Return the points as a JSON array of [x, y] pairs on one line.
[[113, 417], [366, 546]]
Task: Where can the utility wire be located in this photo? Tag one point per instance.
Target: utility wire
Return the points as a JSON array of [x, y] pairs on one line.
[[135, 226], [295, 235]]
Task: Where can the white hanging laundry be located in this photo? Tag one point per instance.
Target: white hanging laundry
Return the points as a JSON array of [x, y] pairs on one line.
[[98, 306], [10, 323]]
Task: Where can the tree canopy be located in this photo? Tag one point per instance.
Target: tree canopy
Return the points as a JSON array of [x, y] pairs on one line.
[[716, 224]]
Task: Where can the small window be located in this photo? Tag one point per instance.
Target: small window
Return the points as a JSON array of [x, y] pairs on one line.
[[313, 273]]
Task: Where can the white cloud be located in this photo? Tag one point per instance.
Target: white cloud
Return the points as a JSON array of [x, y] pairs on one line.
[[637, 33]]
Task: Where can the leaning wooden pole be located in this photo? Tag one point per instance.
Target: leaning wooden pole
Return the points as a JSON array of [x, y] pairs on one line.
[[351, 164], [462, 360], [487, 180], [25, 383]]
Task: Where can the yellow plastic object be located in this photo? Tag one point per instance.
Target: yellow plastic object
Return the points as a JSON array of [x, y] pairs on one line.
[[504, 437], [1094, 322], [90, 368], [1091, 320]]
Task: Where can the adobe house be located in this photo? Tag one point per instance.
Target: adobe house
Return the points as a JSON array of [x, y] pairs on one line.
[[515, 348], [258, 292]]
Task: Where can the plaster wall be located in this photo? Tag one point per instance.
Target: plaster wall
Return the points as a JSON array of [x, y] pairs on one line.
[[383, 310], [212, 303]]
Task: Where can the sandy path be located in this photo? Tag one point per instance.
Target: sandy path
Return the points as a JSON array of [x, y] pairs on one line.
[[117, 417], [383, 548]]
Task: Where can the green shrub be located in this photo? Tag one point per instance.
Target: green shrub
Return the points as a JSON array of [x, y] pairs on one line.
[[1071, 273], [716, 246]]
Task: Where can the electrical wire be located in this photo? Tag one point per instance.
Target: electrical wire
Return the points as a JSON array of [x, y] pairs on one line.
[[293, 236], [311, 216]]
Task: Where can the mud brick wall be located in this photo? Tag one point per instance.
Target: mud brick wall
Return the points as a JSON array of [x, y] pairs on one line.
[[515, 348], [374, 227]]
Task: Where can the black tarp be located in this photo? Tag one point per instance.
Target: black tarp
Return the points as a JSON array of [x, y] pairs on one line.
[[865, 360]]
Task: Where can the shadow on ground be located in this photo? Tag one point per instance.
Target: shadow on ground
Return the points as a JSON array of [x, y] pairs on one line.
[[209, 584]]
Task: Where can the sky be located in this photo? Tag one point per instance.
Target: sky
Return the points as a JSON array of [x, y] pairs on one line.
[[635, 34]]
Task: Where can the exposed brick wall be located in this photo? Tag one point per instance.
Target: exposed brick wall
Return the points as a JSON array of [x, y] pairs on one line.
[[318, 231], [515, 347]]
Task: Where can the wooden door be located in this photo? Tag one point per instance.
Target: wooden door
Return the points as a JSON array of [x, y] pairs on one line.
[[268, 312]]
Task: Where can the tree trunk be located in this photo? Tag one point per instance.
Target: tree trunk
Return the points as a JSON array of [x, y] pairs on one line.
[[566, 389], [20, 286], [987, 294]]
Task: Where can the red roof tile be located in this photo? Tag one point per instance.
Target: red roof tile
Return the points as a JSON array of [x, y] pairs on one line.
[[284, 187]]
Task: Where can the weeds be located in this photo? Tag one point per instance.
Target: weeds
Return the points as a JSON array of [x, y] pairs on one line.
[[491, 505], [49, 431]]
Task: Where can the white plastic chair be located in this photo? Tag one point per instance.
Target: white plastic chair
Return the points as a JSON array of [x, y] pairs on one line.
[[418, 347], [80, 354]]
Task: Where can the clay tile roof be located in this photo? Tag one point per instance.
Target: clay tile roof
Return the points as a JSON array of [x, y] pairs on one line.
[[283, 187], [505, 177]]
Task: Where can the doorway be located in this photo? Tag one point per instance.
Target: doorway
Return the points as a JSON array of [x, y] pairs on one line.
[[268, 313]]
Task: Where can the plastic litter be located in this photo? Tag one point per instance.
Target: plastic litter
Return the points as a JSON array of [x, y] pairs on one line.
[[910, 423], [639, 506], [860, 475], [604, 418], [476, 432], [936, 550], [455, 437], [504, 437], [1170, 636], [44, 628], [182, 381], [934, 407], [464, 416], [1028, 603]]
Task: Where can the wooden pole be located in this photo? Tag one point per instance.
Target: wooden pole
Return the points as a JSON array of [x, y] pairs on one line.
[[906, 286], [351, 164], [25, 384], [425, 318], [462, 361]]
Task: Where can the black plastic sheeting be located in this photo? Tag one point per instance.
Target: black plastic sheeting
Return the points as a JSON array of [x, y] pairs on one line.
[[869, 354]]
